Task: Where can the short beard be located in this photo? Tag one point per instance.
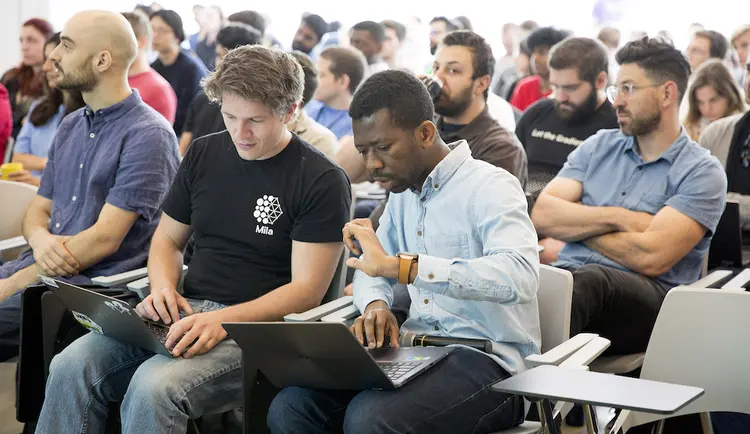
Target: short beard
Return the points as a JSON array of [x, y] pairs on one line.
[[643, 125], [82, 79], [455, 106], [581, 112]]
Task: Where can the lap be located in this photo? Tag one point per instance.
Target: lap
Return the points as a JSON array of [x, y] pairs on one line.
[[624, 285]]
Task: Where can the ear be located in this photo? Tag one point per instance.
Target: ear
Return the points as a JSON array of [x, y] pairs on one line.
[[290, 113], [483, 83], [343, 80], [601, 81], [102, 61], [671, 94], [425, 134]]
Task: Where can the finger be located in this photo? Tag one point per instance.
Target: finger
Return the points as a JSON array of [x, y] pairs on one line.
[[365, 223], [355, 263], [185, 342], [184, 305], [176, 331], [393, 331], [65, 255], [357, 330], [46, 265], [199, 347], [147, 306], [370, 330], [65, 268], [161, 309], [171, 302], [380, 325], [349, 240]]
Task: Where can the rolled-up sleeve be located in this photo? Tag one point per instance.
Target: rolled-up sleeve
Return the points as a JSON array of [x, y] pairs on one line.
[[145, 172], [508, 270]]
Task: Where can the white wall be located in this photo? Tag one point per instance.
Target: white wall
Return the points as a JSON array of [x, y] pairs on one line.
[[15, 12]]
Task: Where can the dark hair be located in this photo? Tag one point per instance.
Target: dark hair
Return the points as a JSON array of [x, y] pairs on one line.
[[234, 35], [401, 93], [53, 98], [317, 24], [717, 43], [345, 60], [449, 25], [173, 20], [395, 25], [251, 18], [483, 62], [588, 56], [545, 37], [29, 81], [661, 61], [311, 75], [376, 30], [465, 22], [334, 26]]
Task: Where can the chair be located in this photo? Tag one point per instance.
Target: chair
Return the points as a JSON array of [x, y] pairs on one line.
[[9, 150], [708, 353], [17, 197]]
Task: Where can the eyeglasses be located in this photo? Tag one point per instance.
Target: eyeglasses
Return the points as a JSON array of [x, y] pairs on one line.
[[626, 90]]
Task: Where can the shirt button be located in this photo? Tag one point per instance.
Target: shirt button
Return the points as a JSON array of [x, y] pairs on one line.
[[623, 193], [437, 328], [426, 301], [81, 166], [430, 276], [92, 135], [74, 198], [57, 225], [436, 186], [419, 234]]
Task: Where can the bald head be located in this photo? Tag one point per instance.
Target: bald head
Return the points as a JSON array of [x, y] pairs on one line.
[[97, 33]]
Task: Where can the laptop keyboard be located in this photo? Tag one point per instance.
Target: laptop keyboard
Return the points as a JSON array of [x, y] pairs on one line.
[[396, 370], [159, 331]]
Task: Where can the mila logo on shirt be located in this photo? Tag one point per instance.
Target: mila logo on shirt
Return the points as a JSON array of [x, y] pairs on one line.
[[267, 211]]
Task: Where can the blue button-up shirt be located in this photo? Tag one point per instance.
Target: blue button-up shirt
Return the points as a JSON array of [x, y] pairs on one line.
[[124, 155], [338, 121], [36, 140], [686, 177], [478, 269]]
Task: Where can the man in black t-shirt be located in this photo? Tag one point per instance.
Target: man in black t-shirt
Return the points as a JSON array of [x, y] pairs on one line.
[[552, 128], [266, 212]]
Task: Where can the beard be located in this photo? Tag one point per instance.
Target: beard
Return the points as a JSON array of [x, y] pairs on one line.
[[638, 126], [300, 47], [453, 107], [433, 48], [578, 113], [83, 79]]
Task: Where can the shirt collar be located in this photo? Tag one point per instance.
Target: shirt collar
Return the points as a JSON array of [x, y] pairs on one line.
[[446, 168], [669, 155], [117, 110]]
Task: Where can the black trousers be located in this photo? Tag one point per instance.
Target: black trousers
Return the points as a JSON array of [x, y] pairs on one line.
[[618, 305]]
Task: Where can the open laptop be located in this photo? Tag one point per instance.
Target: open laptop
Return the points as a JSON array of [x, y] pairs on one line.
[[726, 245], [327, 356], [110, 317]]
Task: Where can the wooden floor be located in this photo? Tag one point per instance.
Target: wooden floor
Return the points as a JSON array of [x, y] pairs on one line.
[[8, 423]]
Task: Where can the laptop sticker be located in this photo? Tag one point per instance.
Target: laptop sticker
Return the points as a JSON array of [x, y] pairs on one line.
[[417, 358], [47, 281], [87, 322], [117, 307]]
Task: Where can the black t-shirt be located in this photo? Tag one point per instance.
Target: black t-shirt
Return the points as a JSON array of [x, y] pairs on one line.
[[184, 75], [245, 214], [203, 117], [549, 139]]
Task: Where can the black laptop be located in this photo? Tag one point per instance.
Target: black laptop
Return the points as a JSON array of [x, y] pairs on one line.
[[110, 317], [726, 244], [323, 355]]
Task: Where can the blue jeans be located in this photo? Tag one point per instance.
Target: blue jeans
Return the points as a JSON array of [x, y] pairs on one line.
[[10, 326], [159, 394], [454, 396]]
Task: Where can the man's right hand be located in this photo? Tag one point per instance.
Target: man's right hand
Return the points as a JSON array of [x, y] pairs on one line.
[[635, 221], [164, 304], [52, 256], [377, 322]]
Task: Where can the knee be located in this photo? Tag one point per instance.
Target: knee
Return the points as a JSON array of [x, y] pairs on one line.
[[74, 362], [364, 416], [154, 387], [288, 406]]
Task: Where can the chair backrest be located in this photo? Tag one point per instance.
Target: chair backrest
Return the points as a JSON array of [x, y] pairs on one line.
[[555, 297], [700, 339], [336, 288], [9, 150], [15, 198]]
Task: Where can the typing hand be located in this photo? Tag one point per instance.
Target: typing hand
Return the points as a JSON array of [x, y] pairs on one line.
[[52, 256], [165, 305], [377, 322], [202, 330], [375, 261]]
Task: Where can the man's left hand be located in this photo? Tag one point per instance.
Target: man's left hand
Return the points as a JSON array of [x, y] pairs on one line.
[[6, 289], [374, 260], [202, 330]]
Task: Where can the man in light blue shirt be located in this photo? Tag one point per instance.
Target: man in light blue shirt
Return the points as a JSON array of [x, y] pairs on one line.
[[474, 274], [637, 206]]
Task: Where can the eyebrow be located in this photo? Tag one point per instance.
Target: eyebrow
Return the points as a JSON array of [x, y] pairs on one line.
[[65, 38]]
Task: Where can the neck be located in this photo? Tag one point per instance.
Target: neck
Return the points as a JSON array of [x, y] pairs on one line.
[[37, 68], [286, 138], [601, 97], [108, 92], [210, 37], [169, 57], [139, 66], [341, 102], [374, 59], [544, 86], [472, 112], [391, 61], [66, 97], [654, 144], [438, 151]]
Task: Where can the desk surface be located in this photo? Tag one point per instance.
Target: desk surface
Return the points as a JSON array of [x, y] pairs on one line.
[[584, 387]]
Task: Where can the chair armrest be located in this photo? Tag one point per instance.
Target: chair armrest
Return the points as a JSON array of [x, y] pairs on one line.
[[342, 315], [557, 355], [126, 277], [711, 278], [13, 243], [319, 312], [587, 354], [142, 287], [739, 281]]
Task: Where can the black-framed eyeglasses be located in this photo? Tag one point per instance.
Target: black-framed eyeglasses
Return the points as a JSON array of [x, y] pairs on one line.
[[626, 90]]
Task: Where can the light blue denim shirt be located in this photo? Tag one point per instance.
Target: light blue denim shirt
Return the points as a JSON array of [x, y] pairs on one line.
[[478, 269], [686, 177], [36, 140]]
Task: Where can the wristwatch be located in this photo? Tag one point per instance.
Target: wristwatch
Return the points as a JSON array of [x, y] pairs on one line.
[[405, 260]]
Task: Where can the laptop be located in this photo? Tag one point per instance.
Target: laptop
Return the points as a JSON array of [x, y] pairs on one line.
[[323, 355], [110, 317], [726, 244]]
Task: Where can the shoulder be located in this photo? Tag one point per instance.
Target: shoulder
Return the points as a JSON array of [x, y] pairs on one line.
[[315, 168], [539, 108], [192, 59], [527, 83], [607, 138], [719, 128], [698, 158]]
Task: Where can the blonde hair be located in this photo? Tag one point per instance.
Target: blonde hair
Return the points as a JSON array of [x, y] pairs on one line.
[[715, 74], [256, 73]]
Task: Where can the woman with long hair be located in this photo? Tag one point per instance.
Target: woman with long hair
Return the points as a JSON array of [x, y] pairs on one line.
[[24, 82], [712, 95], [45, 115]]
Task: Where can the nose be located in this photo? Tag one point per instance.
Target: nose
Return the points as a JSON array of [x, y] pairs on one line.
[[372, 163]]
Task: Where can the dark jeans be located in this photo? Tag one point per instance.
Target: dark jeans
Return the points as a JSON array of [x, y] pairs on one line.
[[452, 397], [730, 423], [618, 305], [10, 326]]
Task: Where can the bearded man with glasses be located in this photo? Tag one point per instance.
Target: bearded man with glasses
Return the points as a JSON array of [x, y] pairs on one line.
[[637, 206]]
